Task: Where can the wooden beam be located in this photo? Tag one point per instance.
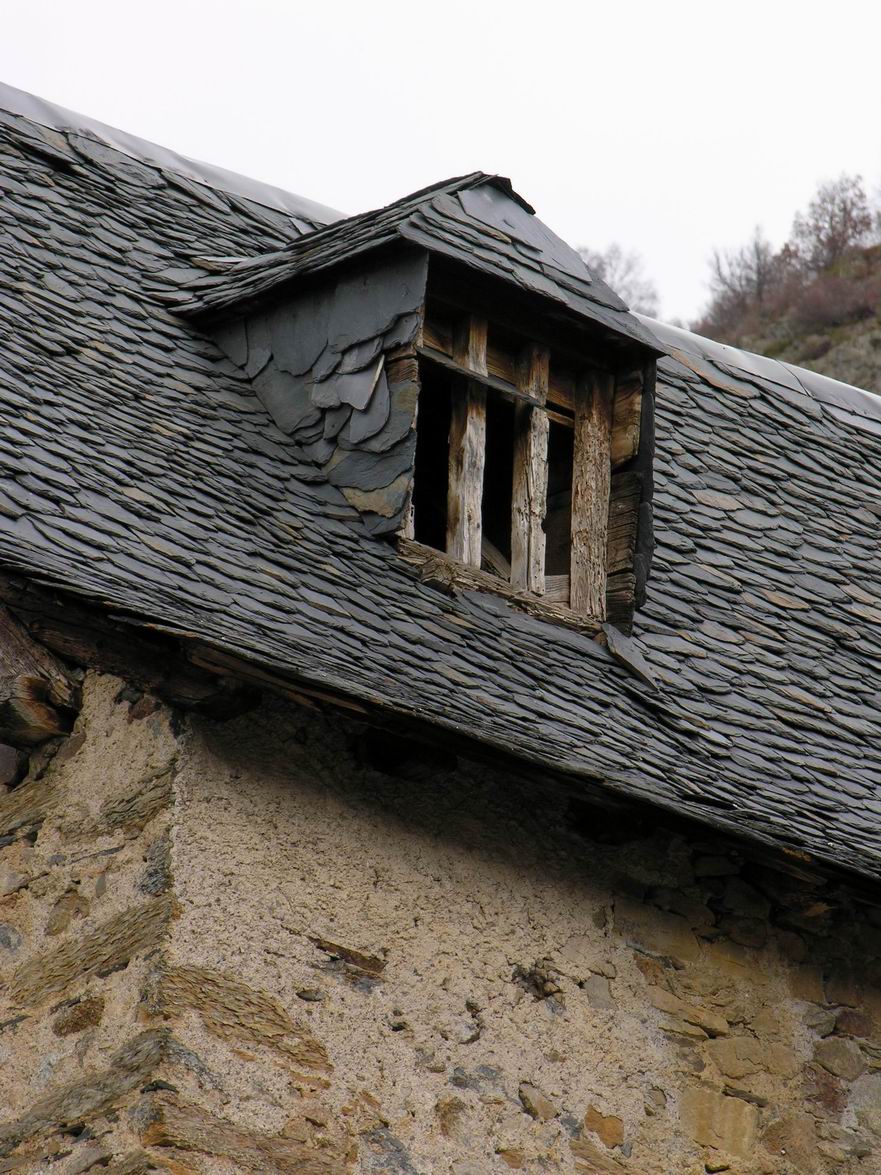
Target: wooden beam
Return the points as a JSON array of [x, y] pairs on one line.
[[530, 489], [408, 522], [87, 636], [556, 589], [469, 344], [465, 485], [496, 561], [402, 373], [491, 382], [38, 698], [467, 450], [449, 575], [591, 475]]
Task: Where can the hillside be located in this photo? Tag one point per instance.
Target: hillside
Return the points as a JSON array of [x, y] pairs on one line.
[[839, 335], [816, 301]]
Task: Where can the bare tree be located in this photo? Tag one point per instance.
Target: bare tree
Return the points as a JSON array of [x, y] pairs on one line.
[[836, 221], [747, 283], [744, 277], [623, 271], [753, 286]]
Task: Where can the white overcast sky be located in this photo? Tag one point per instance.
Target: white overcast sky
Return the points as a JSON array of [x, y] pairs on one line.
[[670, 127]]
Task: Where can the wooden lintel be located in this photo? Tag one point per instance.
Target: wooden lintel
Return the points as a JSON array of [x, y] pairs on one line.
[[38, 697], [530, 487], [491, 382], [569, 342], [467, 447], [591, 476]]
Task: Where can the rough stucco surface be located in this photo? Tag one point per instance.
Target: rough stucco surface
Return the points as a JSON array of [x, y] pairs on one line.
[[287, 943], [495, 990]]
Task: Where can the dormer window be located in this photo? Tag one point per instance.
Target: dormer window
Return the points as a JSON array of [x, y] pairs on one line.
[[504, 424], [449, 369]]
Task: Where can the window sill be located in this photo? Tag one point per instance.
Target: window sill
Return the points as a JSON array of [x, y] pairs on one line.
[[449, 575]]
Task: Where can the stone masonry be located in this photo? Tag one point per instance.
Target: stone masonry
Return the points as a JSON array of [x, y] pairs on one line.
[[292, 943]]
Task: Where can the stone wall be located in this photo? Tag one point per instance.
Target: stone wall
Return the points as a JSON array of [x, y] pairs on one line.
[[84, 905], [290, 943]]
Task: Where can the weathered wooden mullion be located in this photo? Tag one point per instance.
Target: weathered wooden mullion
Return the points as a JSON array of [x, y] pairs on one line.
[[530, 489], [591, 475], [467, 447]]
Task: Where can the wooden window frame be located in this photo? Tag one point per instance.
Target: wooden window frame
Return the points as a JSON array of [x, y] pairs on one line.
[[580, 597]]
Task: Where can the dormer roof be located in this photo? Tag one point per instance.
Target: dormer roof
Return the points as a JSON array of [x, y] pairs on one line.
[[477, 220]]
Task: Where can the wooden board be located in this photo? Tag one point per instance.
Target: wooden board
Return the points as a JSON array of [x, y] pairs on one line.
[[530, 486], [501, 363], [438, 334], [626, 416], [561, 387], [556, 589], [590, 496], [624, 498], [467, 447]]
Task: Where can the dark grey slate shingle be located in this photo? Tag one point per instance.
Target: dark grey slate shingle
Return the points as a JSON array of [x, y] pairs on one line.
[[138, 468]]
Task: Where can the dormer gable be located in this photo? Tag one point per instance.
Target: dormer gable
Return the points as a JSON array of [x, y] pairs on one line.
[[455, 370]]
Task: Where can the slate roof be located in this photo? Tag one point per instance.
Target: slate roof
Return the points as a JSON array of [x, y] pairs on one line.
[[477, 220], [138, 470]]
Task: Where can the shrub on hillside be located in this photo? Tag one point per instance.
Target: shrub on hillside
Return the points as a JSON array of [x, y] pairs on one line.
[[814, 347], [831, 300], [828, 273]]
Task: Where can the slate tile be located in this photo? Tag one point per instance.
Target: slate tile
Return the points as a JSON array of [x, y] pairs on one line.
[[171, 418]]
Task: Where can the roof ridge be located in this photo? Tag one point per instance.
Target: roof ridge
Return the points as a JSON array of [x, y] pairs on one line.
[[454, 184], [848, 399], [47, 114]]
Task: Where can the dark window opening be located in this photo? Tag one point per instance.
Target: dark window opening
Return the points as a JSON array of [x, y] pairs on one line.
[[439, 388], [498, 481], [558, 518]]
